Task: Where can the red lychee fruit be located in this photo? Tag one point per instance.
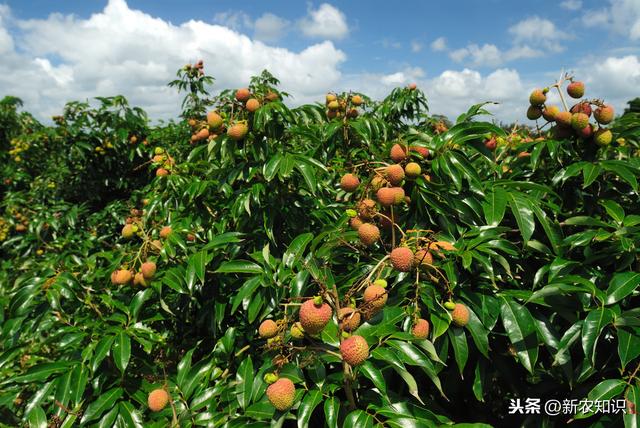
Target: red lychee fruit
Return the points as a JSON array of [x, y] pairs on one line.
[[604, 114], [412, 86], [138, 279], [564, 118], [375, 296], [402, 259], [161, 172], [579, 121], [423, 258], [238, 131], [420, 329], [537, 97], [158, 399], [252, 105], [366, 209], [394, 174], [386, 196], [575, 89], [349, 319], [349, 182], [491, 143], [354, 350], [281, 394], [243, 94], [549, 113], [583, 107], [398, 153], [314, 317], [368, 234], [355, 223], [268, 329], [460, 315], [585, 132], [121, 277], [356, 100], [165, 232], [422, 151], [214, 120], [148, 270], [271, 96]]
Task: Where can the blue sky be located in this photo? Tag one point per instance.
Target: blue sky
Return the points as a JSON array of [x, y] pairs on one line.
[[459, 52]]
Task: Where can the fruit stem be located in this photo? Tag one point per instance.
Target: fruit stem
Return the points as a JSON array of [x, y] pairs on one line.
[[557, 85]]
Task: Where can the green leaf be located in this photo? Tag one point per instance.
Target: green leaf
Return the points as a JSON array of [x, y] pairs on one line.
[[309, 403], [615, 211], [244, 382], [628, 344], [604, 391], [375, 376], [590, 171], [523, 213], [460, 348], [521, 329], [358, 419], [104, 402], [102, 349], [479, 334], [621, 285], [595, 321], [632, 420], [296, 249], [37, 418], [42, 371], [183, 368], [130, 415], [331, 412], [495, 206], [568, 338], [239, 266], [121, 350]]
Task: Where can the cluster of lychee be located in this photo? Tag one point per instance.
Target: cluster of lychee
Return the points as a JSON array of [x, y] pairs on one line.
[[133, 139], [163, 162], [343, 106], [195, 70], [4, 229], [574, 122], [18, 146], [22, 222]]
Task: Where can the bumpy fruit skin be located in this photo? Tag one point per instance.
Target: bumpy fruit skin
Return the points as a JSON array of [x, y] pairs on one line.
[[252, 105], [128, 231], [402, 259], [349, 319], [354, 350], [583, 107], [579, 121], [272, 96], [355, 223], [281, 394], [386, 196], [423, 258], [412, 170], [534, 112], [314, 318], [537, 97], [268, 329], [243, 94], [214, 120], [604, 114], [395, 174], [238, 131], [349, 182], [460, 315], [202, 134], [586, 132], [420, 329], [121, 277], [356, 100], [165, 232], [158, 399], [603, 137], [575, 89], [368, 234], [148, 270], [138, 279], [399, 195], [297, 332], [366, 209], [549, 113], [564, 118], [398, 153], [333, 105], [375, 296]]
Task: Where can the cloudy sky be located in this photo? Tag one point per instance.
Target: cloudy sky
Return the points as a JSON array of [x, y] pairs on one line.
[[459, 52]]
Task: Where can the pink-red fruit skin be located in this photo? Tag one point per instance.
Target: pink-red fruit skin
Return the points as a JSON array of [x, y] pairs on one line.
[[402, 259], [575, 89], [354, 350], [420, 329], [314, 317], [460, 315], [158, 399], [281, 394]]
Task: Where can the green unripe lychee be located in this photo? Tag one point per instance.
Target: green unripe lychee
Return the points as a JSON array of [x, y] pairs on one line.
[[297, 332], [603, 137], [412, 170], [380, 283], [270, 378], [450, 305], [537, 98]]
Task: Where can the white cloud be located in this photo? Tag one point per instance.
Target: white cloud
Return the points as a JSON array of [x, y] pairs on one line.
[[620, 17], [416, 46], [236, 20], [64, 57], [270, 27], [571, 4], [540, 32], [439, 44], [485, 55], [326, 22]]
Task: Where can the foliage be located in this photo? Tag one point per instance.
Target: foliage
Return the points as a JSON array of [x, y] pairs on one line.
[[545, 238]]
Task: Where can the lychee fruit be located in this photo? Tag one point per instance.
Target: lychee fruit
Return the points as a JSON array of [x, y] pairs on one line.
[[564, 118], [422, 151], [356, 100], [412, 86], [281, 394], [252, 105], [148, 269], [368, 234], [603, 137], [354, 350], [268, 329], [412, 170], [333, 105], [575, 89], [121, 277], [355, 223], [549, 113], [156, 245], [377, 182], [560, 132], [271, 96], [604, 114], [158, 399], [398, 153], [349, 182], [161, 172], [375, 296], [420, 329], [238, 131], [297, 332], [460, 315], [537, 97], [165, 232], [203, 134], [386, 196], [366, 209], [583, 107], [331, 97], [398, 194], [402, 259], [579, 121], [138, 279], [349, 319], [214, 120], [314, 317], [585, 132], [128, 231], [423, 258], [394, 174], [243, 94], [534, 112], [491, 143]]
